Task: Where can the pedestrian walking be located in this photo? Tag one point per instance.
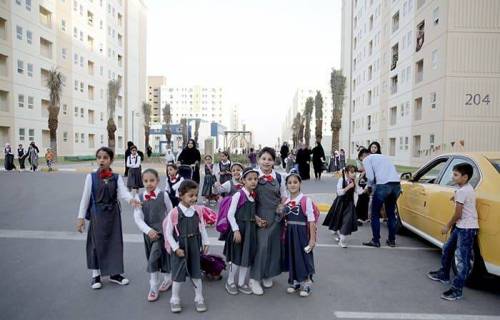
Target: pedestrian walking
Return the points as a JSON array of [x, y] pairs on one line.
[[284, 151], [134, 180], [300, 238], [21, 156], [100, 206], [241, 242], [318, 156], [49, 158], [271, 191], [303, 160], [252, 158], [381, 173], [33, 156], [342, 159], [186, 236], [464, 227], [130, 144], [149, 218], [9, 158]]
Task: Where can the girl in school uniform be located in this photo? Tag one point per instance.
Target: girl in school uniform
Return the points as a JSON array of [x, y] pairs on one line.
[[300, 238], [271, 192], [174, 180], [186, 237], [134, 180], [343, 219], [155, 206], [223, 168], [209, 180], [232, 186], [100, 206], [241, 243]]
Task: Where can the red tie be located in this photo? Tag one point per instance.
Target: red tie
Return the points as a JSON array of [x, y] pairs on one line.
[[268, 178], [150, 196], [292, 204], [253, 194], [238, 186], [105, 174]]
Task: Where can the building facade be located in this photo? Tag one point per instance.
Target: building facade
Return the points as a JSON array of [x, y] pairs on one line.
[[155, 85], [90, 43], [423, 77]]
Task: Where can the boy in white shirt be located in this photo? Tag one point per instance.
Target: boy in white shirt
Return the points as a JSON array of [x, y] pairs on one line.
[[464, 227]]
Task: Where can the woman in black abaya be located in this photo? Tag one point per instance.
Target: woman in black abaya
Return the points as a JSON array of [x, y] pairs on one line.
[[190, 155]]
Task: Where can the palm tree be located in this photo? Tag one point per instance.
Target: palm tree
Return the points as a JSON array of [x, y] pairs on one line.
[[337, 84], [196, 129], [146, 109], [54, 83], [184, 132], [113, 90], [318, 114], [308, 114], [295, 130], [167, 118]]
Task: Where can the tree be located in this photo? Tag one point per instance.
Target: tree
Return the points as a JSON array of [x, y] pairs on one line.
[[146, 109], [54, 83], [337, 84], [300, 134], [184, 132], [318, 115], [196, 129], [113, 90], [295, 130], [167, 118], [307, 115]]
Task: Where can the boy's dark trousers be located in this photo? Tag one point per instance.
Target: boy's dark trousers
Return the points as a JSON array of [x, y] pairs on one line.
[[460, 244]]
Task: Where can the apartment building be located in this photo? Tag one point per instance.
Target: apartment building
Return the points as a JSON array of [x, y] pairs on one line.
[[90, 42], [423, 76], [155, 83], [298, 105]]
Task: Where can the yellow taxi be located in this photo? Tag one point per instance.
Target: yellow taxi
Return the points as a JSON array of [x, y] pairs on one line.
[[425, 206]]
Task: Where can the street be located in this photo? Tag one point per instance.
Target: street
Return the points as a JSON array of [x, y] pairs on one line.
[[44, 275]]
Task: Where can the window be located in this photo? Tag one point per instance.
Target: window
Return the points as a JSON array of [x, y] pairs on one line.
[[406, 143], [82, 113], [65, 136], [20, 66], [435, 16], [22, 133], [81, 87], [446, 178], [416, 146], [65, 109], [417, 112], [81, 61], [31, 135], [29, 36], [434, 59], [395, 56], [31, 102], [20, 100], [81, 35], [28, 5], [46, 48], [392, 147], [75, 33], [75, 58], [76, 137], [45, 17], [30, 70], [82, 138], [76, 112], [395, 22], [431, 173], [420, 35], [431, 139], [76, 85], [433, 98], [419, 71], [393, 115], [19, 32], [394, 84], [63, 25], [369, 122]]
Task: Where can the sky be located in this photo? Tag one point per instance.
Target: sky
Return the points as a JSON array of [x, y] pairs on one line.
[[258, 51]]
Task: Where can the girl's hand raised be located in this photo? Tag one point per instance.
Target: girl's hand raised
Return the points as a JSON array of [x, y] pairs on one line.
[[80, 225]]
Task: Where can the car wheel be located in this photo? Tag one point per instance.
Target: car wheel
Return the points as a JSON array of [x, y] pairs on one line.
[[477, 270], [400, 229]]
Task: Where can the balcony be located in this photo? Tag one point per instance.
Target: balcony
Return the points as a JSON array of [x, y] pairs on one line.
[[45, 48], [90, 92], [417, 109], [395, 22], [395, 56], [420, 35], [3, 29], [90, 18], [91, 117], [45, 108], [4, 101], [44, 76], [90, 43], [393, 115], [45, 17], [394, 84], [419, 71], [90, 67], [3, 66]]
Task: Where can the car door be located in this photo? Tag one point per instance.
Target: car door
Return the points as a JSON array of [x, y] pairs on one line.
[[440, 207], [414, 202]]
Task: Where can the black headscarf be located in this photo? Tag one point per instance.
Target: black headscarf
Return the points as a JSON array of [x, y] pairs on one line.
[[190, 155]]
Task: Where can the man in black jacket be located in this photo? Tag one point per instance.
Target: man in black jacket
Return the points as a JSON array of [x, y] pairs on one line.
[[284, 151]]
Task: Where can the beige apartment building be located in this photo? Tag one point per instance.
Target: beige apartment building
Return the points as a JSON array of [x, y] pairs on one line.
[[423, 76], [155, 83], [90, 42]]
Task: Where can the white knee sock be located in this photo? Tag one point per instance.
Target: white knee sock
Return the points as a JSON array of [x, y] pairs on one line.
[[198, 290], [153, 281], [342, 237], [233, 270], [96, 272], [166, 276], [176, 288], [242, 276]]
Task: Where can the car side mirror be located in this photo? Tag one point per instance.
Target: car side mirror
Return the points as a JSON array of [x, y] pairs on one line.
[[407, 176]]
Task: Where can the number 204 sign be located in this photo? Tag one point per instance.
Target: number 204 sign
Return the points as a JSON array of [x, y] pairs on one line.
[[476, 99]]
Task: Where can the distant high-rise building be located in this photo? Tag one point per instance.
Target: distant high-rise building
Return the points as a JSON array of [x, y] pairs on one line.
[[155, 84], [422, 77], [90, 43], [234, 121]]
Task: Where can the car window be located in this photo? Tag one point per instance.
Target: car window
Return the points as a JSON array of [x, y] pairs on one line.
[[431, 173], [447, 180], [496, 164]]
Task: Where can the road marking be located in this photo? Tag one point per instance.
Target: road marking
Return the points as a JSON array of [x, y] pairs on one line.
[[409, 316], [138, 238]]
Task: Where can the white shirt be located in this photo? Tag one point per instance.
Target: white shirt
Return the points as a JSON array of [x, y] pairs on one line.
[[87, 191], [175, 186], [139, 215], [216, 169], [169, 232], [233, 207], [273, 173], [379, 169], [225, 187], [169, 157], [309, 207], [133, 161], [467, 197]]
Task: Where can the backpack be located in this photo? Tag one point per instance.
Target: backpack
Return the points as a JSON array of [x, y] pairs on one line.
[[174, 217], [222, 224], [93, 192], [212, 265]]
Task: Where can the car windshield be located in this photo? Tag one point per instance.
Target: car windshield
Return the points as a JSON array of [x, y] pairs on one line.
[[496, 164]]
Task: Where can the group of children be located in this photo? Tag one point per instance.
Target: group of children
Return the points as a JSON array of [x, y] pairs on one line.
[[271, 226]]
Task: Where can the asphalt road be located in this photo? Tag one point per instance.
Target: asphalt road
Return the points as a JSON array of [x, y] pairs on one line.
[[43, 274]]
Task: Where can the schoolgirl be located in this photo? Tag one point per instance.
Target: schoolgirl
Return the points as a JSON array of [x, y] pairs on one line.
[[173, 183], [232, 186], [209, 180], [134, 180], [223, 168]]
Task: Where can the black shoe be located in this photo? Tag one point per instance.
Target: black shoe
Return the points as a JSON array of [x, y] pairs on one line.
[[96, 283], [391, 243], [438, 276], [118, 279], [372, 244], [452, 294]]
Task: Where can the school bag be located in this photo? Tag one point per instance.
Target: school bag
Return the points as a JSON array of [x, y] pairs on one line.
[[222, 224], [209, 216], [303, 206], [212, 266], [93, 192], [174, 217]]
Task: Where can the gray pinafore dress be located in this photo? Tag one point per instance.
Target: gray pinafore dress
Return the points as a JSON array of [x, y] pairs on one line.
[[208, 182], [243, 254], [298, 263], [155, 212], [104, 237], [189, 240], [267, 261], [134, 180]]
